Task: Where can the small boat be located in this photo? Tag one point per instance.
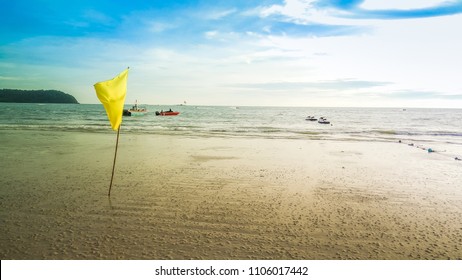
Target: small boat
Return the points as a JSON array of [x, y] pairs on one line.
[[311, 118], [323, 120], [167, 113], [135, 110], [126, 113]]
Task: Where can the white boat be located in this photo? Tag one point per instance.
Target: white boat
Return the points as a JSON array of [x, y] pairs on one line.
[[311, 118], [135, 110], [323, 120]]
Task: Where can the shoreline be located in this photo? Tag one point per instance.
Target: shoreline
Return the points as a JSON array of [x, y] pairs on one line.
[[177, 197]]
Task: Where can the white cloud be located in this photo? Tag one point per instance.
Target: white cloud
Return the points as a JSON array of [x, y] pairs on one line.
[[305, 12], [9, 78], [400, 4], [218, 14], [211, 34], [297, 10], [158, 27]]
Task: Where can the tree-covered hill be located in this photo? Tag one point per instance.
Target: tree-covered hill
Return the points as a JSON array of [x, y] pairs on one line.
[[35, 96]]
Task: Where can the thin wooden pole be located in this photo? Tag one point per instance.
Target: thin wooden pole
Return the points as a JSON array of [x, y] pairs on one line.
[[113, 165]]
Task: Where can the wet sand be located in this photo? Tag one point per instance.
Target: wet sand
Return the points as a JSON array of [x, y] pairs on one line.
[[213, 198]]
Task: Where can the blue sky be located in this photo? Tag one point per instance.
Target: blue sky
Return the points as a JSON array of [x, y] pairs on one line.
[[400, 53]]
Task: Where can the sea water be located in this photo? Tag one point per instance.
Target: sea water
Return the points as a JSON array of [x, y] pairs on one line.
[[438, 129]]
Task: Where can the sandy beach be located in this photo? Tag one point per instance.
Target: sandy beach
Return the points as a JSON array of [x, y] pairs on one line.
[[177, 197]]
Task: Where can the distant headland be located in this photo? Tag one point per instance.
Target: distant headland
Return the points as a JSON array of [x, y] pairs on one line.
[[36, 96]]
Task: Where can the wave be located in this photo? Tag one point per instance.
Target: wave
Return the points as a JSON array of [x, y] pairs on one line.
[[387, 132]]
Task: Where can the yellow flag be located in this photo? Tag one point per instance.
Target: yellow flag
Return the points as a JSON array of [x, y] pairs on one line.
[[112, 94]]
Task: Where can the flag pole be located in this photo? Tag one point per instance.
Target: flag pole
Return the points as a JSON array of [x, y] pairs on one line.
[[115, 157]]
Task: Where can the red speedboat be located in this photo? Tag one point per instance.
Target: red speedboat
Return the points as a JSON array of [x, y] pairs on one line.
[[167, 113]]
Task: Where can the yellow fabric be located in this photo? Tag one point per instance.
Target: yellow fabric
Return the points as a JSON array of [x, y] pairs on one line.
[[112, 94]]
